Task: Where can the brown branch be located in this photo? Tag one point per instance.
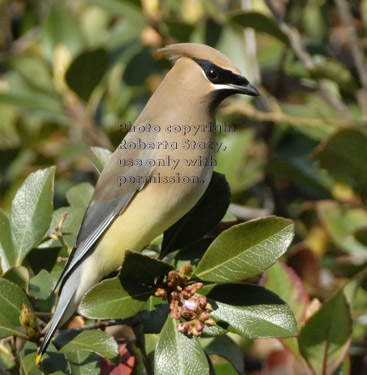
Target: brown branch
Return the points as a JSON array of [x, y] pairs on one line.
[[354, 43], [356, 51], [107, 323], [248, 213], [306, 60], [276, 117], [251, 47]]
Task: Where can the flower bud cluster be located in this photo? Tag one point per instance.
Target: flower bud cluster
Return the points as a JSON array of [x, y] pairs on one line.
[[184, 303], [29, 322]]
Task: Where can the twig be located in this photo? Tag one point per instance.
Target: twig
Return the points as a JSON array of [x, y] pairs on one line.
[[251, 47], [276, 117], [106, 323], [248, 213], [356, 51], [355, 46], [308, 63]]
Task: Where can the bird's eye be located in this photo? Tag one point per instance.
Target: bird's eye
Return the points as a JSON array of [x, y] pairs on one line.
[[211, 73]]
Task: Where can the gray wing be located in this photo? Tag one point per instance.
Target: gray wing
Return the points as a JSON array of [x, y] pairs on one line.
[[109, 200]]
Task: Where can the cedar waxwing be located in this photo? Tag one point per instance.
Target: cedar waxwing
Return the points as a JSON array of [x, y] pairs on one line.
[[147, 185]]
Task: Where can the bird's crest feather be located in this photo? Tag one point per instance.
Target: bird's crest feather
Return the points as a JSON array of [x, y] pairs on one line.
[[198, 51]]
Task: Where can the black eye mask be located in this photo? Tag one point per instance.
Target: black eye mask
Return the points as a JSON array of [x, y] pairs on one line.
[[218, 75]]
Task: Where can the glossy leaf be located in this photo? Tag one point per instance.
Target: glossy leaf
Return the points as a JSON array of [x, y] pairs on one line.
[[129, 9], [324, 340], [53, 362], [18, 275], [40, 286], [6, 328], [200, 219], [80, 195], [259, 22], [142, 268], [114, 299], [71, 224], [245, 250], [91, 340], [31, 212], [83, 363], [225, 347], [154, 315], [361, 236], [192, 253], [344, 155], [7, 253], [12, 299], [250, 310], [237, 163], [86, 71], [334, 70], [35, 72], [177, 354], [99, 157], [283, 281], [341, 224], [61, 28]]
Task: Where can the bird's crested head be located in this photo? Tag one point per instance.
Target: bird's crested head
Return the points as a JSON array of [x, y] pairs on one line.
[[219, 77]]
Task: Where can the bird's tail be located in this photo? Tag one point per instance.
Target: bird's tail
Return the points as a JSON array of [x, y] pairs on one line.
[[65, 308]]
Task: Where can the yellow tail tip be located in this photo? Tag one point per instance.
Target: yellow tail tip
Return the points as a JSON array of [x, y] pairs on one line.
[[38, 358]]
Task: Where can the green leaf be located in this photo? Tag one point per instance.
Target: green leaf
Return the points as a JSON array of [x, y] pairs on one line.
[[36, 103], [44, 258], [114, 299], [346, 366], [154, 315], [7, 253], [225, 347], [28, 365], [71, 225], [35, 72], [80, 195], [179, 30], [83, 363], [6, 328], [12, 299], [31, 212], [361, 236], [127, 9], [61, 28], [192, 253], [260, 23], [226, 368], [344, 155], [95, 341], [200, 219], [324, 340], [139, 67], [99, 157], [250, 310], [142, 268], [53, 362], [335, 71], [341, 223], [86, 71], [283, 281], [18, 275], [237, 162], [177, 354], [245, 250], [40, 286]]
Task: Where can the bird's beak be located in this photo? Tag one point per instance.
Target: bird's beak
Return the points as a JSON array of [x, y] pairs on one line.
[[246, 89]]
